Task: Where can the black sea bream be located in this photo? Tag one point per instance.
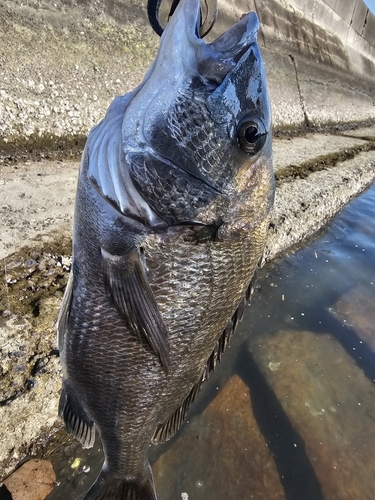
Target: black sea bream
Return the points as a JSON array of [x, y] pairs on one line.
[[173, 204]]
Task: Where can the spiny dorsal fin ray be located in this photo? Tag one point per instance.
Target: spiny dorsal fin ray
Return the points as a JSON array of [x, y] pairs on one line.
[[62, 320], [131, 295]]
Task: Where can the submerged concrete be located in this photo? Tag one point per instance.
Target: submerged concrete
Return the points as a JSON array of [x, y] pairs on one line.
[[331, 408]]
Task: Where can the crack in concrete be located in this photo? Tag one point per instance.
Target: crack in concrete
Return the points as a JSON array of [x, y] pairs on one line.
[[301, 100], [303, 170], [365, 22]]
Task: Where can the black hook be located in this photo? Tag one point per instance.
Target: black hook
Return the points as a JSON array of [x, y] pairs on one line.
[[208, 17]]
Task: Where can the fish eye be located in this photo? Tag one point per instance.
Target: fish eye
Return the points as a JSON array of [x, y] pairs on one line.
[[251, 136]]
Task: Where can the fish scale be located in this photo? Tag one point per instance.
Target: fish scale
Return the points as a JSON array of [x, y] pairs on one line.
[[215, 281], [173, 203], [195, 132], [181, 298]]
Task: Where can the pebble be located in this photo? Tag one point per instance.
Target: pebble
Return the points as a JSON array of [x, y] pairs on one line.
[[34, 480]]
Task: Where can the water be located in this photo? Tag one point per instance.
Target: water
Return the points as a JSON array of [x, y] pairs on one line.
[[290, 412]]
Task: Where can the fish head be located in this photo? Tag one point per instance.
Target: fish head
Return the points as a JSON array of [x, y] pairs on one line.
[[197, 133]]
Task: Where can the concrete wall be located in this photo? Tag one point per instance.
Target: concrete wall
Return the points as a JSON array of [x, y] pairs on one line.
[[63, 62], [352, 22], [320, 59]]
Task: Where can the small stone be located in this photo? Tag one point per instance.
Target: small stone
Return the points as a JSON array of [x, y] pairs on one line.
[[34, 480]]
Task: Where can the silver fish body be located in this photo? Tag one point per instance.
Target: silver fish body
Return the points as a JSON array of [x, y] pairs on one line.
[[173, 204]]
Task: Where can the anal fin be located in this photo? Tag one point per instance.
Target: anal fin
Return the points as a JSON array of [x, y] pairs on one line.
[[167, 430], [75, 418]]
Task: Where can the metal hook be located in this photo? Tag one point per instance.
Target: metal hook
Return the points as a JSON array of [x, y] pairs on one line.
[[208, 15]]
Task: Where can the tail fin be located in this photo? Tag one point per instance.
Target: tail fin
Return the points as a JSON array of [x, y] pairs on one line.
[[107, 487]]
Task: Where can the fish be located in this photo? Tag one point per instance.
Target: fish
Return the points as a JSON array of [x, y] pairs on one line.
[[173, 204]]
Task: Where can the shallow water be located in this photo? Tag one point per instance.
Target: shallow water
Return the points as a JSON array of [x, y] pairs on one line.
[[290, 412]]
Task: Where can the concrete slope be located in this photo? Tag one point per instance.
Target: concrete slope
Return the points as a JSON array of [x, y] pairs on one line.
[[320, 59], [63, 62]]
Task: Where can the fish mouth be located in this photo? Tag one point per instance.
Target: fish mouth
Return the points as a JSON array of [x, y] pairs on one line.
[[214, 60]]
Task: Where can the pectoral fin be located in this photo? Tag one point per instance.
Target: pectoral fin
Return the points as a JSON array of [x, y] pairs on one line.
[[131, 295]]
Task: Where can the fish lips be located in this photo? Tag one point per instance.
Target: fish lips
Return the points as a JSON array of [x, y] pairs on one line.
[[213, 60]]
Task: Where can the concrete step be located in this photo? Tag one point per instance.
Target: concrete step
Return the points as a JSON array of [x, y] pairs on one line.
[[38, 197], [299, 152]]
